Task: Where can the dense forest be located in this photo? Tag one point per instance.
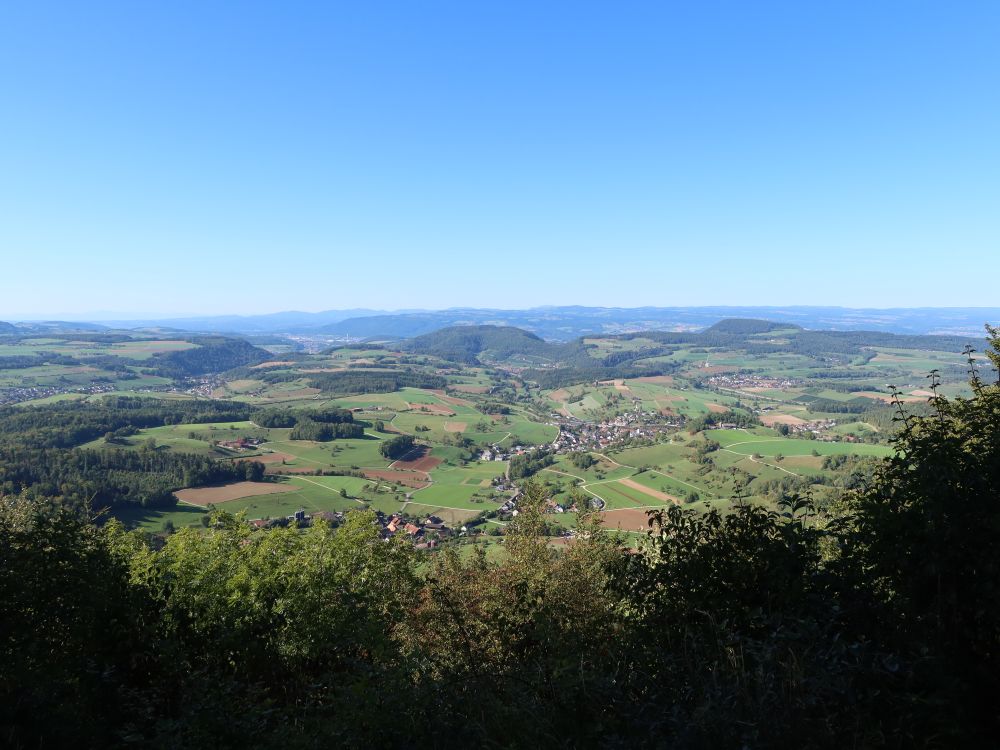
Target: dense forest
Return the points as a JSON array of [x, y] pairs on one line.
[[591, 370], [349, 382], [749, 326], [109, 478], [213, 354], [39, 452], [69, 423], [874, 624], [396, 447], [839, 346], [307, 428]]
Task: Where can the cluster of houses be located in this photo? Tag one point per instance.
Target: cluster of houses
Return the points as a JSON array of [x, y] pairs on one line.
[[204, 387], [241, 444], [424, 534], [742, 381], [496, 453], [20, 394], [299, 518], [577, 436]]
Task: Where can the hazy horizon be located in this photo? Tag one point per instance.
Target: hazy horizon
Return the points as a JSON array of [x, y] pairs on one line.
[[107, 316]]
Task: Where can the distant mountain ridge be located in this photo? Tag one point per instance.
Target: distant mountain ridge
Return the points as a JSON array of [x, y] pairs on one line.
[[568, 323], [559, 323]]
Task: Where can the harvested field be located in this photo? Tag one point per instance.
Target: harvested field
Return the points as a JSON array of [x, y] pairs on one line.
[[275, 363], [560, 395], [626, 519], [234, 491], [619, 385], [432, 409], [660, 379], [407, 478], [803, 462], [455, 426], [716, 408], [291, 395], [424, 462], [772, 419], [925, 394], [453, 400], [887, 398], [649, 491], [669, 399], [470, 388]]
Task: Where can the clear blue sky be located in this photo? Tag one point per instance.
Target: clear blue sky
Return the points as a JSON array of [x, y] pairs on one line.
[[203, 157]]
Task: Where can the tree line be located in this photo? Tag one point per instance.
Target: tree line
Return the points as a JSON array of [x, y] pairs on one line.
[[112, 478], [69, 423], [350, 382]]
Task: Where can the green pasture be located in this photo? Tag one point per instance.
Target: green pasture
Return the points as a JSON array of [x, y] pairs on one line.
[[773, 446]]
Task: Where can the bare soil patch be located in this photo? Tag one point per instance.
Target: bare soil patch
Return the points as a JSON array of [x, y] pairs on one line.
[[559, 395], [233, 491], [421, 464], [626, 519], [455, 426], [407, 478], [419, 459], [913, 398], [273, 363], [716, 408], [772, 419], [650, 491]]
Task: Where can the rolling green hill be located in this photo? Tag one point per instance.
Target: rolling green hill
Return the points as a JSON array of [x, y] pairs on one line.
[[473, 344]]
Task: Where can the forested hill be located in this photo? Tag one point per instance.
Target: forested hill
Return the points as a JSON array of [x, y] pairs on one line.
[[747, 326], [7, 328], [741, 334], [213, 354], [471, 344], [488, 343]]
